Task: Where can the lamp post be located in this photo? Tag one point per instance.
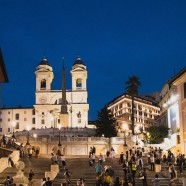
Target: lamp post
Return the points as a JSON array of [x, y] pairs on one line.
[[136, 138], [28, 136], [59, 127], [125, 139], [13, 126]]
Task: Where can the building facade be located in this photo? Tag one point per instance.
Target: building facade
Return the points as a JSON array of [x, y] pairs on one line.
[[46, 111], [145, 112], [173, 106]]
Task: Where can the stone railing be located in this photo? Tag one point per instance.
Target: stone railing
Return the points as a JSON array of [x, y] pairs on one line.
[[4, 161]]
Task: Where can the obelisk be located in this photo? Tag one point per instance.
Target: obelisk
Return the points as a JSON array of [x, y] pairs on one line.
[[64, 114]]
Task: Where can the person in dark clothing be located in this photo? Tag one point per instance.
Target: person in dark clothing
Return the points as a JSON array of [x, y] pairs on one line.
[[144, 175], [121, 158], [31, 174], [117, 182], [48, 182]]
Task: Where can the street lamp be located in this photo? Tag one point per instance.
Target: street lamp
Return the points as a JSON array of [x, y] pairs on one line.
[[59, 127], [28, 135], [125, 137], [125, 143], [13, 126], [136, 138]]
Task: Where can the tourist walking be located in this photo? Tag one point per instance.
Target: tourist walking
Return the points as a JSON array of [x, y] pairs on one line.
[[67, 177]]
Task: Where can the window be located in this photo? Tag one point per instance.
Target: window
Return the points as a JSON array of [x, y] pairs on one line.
[[1, 130], [128, 104], [33, 112], [33, 121], [58, 120], [185, 90], [25, 112], [1, 119], [43, 84], [8, 112], [42, 121], [17, 116], [8, 129], [140, 113], [8, 119], [0, 112], [120, 105], [145, 114], [79, 83], [17, 125], [139, 107], [25, 119]]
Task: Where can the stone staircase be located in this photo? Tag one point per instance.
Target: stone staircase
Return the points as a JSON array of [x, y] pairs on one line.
[[79, 168]]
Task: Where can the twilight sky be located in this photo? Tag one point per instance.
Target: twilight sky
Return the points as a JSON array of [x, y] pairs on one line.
[[115, 39]]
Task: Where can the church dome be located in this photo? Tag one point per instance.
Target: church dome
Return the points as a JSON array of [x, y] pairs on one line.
[[78, 61], [44, 62]]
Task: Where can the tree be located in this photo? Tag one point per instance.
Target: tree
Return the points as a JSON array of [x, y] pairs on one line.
[[106, 123], [156, 134], [133, 85]]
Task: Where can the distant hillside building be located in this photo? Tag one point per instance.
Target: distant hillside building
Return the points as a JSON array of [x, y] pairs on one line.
[[146, 109], [47, 110]]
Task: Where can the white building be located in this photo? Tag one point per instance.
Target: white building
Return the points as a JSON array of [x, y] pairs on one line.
[[45, 113], [173, 106]]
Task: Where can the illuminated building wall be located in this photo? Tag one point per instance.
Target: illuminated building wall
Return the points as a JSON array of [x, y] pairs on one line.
[[145, 112]]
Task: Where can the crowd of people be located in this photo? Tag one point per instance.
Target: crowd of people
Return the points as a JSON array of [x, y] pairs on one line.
[[135, 160]]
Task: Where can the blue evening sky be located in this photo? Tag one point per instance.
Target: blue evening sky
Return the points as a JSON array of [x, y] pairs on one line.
[[115, 39]]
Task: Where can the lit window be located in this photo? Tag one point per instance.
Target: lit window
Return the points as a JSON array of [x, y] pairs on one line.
[[79, 83]]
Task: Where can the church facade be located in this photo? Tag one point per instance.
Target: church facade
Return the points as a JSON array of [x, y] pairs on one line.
[[47, 110]]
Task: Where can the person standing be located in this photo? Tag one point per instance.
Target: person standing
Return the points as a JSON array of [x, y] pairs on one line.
[[30, 175], [121, 158], [98, 168], [48, 182], [133, 171], [144, 174], [37, 153], [156, 181], [67, 177]]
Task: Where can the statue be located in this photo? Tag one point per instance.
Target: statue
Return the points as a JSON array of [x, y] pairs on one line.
[[20, 178]]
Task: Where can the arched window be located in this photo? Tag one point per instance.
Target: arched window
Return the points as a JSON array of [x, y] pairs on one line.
[[79, 83], [43, 84]]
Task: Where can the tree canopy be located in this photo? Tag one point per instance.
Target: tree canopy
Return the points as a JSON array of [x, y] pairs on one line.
[[156, 134], [106, 123]]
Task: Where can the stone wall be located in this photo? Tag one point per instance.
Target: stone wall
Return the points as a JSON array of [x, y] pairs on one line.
[[77, 145]]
